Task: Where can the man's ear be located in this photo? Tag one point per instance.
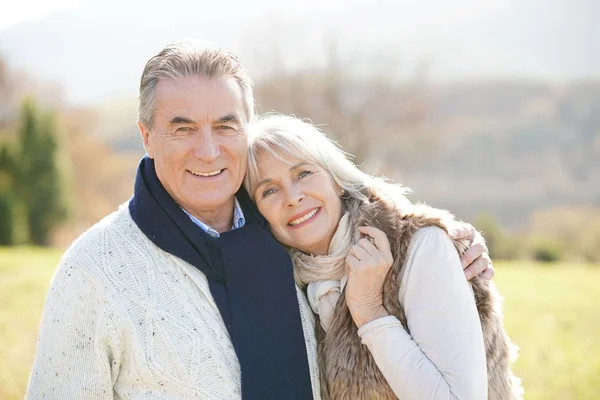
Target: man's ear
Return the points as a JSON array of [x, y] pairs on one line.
[[145, 132]]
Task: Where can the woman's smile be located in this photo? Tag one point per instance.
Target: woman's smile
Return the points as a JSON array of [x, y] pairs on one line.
[[300, 200], [303, 218]]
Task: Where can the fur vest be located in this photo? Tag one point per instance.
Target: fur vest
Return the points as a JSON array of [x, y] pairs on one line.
[[347, 368]]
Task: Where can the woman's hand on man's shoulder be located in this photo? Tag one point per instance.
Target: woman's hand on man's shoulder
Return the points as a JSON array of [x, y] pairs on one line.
[[476, 259]]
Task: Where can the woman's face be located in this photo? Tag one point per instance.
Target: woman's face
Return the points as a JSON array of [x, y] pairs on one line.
[[301, 202]]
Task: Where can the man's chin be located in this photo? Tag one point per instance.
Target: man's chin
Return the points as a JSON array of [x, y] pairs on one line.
[[213, 203]]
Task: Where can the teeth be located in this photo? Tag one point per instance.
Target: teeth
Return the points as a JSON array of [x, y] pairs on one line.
[[213, 173], [304, 218]]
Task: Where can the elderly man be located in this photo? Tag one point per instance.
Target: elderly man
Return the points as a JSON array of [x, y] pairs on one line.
[[183, 293]]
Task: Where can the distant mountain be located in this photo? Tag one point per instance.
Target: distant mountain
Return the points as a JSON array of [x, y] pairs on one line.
[[511, 148], [506, 148], [98, 49]]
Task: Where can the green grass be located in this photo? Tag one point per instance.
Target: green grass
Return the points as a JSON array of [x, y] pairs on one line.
[[550, 312], [25, 275]]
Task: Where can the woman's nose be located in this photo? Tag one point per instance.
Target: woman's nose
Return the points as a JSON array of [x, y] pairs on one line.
[[295, 196]]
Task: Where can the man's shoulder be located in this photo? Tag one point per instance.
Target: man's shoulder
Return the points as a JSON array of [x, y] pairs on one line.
[[115, 231], [113, 222]]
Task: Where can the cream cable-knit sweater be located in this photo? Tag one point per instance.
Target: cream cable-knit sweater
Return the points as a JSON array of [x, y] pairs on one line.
[[126, 320]]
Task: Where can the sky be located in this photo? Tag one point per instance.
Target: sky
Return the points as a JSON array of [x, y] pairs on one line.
[[96, 49], [14, 12]]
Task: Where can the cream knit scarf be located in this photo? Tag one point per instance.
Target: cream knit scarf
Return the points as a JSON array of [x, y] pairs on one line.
[[325, 276]]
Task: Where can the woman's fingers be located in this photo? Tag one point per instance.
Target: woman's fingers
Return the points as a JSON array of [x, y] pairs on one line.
[[380, 239], [352, 263], [360, 252], [367, 246], [488, 274], [478, 267], [463, 230], [472, 253], [367, 266], [381, 245]]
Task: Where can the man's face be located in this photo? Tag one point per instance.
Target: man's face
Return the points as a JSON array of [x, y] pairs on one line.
[[199, 141]]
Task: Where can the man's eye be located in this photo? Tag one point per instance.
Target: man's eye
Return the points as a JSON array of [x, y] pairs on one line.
[[183, 129], [268, 192], [226, 128]]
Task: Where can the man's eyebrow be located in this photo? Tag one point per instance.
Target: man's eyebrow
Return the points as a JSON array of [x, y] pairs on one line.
[[228, 118], [180, 120]]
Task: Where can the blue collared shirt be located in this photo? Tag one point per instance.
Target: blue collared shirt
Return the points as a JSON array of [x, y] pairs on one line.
[[238, 220]]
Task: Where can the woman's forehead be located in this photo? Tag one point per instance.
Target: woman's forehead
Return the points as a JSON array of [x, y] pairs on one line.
[[273, 154]]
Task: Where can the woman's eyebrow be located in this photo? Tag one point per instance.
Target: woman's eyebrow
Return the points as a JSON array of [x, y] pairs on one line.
[[264, 182], [293, 167], [300, 165]]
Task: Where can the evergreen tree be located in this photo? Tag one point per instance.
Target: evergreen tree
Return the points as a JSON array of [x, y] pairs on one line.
[[6, 197], [46, 209], [38, 180]]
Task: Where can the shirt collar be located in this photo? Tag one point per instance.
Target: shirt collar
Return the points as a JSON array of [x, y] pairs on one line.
[[238, 219]]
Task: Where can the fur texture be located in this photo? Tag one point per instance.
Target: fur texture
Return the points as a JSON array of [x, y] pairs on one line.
[[348, 370]]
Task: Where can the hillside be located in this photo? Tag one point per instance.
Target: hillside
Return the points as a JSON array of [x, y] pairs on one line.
[[510, 148], [505, 148]]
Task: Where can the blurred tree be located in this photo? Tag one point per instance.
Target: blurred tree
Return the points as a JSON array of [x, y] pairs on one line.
[[6, 196], [546, 250], [6, 220], [4, 92], [492, 232], [371, 108], [574, 230], [501, 244], [38, 183]]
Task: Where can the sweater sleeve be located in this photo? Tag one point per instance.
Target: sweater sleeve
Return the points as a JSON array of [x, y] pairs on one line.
[[78, 350], [443, 357]]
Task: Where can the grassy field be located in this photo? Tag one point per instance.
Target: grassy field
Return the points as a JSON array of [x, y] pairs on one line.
[[24, 279], [550, 312]]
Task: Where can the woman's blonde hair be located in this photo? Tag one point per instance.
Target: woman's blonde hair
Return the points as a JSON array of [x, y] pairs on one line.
[[287, 137]]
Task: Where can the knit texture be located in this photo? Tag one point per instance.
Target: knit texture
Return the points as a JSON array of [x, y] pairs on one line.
[[250, 277], [126, 320]]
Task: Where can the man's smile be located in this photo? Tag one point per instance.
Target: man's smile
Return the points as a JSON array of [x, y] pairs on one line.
[[207, 174]]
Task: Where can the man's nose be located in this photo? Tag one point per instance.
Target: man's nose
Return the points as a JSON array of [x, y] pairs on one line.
[[207, 147]]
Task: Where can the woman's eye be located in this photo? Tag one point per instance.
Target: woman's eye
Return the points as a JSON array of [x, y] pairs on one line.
[[304, 174], [183, 129], [268, 192]]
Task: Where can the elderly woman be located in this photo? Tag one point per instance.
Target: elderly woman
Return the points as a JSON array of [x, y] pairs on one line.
[[378, 271]]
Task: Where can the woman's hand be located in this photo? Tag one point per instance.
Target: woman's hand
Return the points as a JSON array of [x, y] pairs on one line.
[[476, 260], [367, 266]]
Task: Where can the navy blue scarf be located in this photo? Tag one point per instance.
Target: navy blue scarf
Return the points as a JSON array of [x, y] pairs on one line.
[[251, 280]]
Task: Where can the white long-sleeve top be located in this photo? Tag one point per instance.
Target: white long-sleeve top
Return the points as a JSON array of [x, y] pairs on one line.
[[443, 357], [125, 320]]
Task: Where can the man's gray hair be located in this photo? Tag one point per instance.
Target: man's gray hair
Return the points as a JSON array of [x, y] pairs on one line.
[[188, 58], [289, 138]]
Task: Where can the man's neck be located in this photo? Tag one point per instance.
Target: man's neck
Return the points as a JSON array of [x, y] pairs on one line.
[[220, 219]]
